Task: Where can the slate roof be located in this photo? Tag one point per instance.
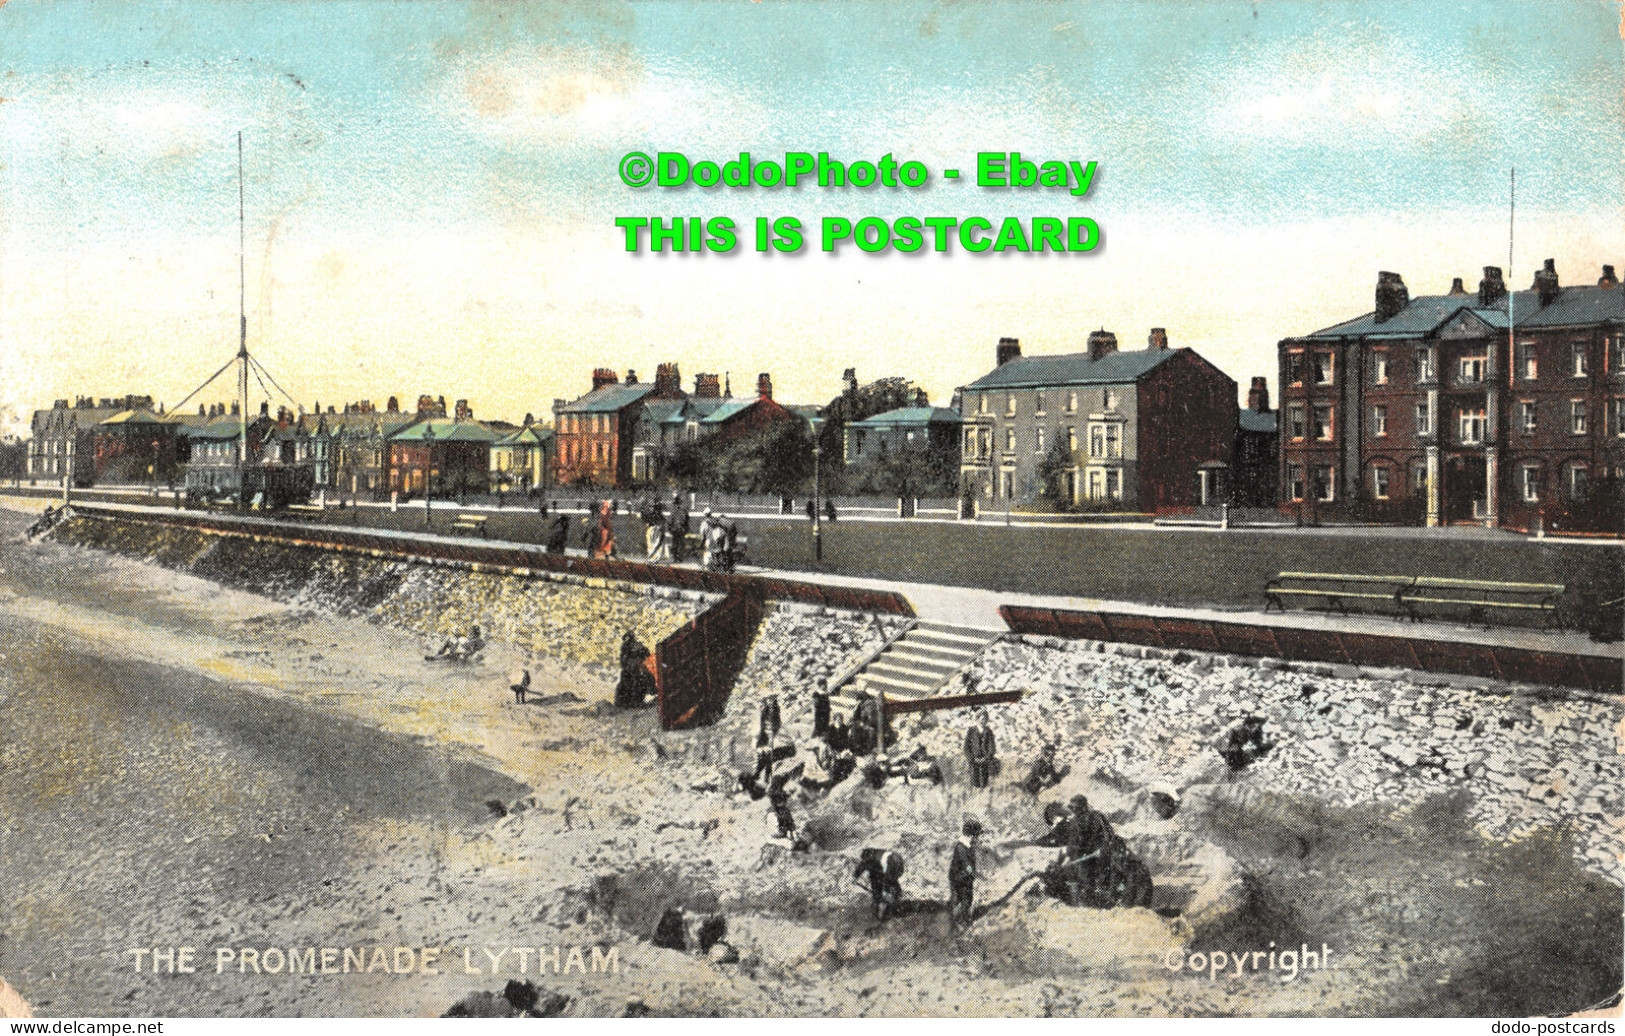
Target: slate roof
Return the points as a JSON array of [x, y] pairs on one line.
[[730, 408], [129, 417], [608, 400], [526, 437], [1074, 369], [1574, 305], [1253, 421], [446, 429], [909, 416]]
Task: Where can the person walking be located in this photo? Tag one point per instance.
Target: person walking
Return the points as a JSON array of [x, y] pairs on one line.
[[980, 752], [676, 528], [604, 545], [962, 873]]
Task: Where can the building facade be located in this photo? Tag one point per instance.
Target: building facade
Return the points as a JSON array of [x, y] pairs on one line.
[[1484, 407], [62, 440], [927, 430], [441, 455], [522, 460], [1258, 450], [1151, 430]]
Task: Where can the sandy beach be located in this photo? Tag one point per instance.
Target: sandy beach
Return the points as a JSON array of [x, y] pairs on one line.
[[187, 765]]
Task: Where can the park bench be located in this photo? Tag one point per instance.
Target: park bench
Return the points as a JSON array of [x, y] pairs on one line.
[[1414, 597], [1478, 596], [1336, 589], [471, 523]]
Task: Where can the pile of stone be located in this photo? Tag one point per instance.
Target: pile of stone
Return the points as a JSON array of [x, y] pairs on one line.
[[1530, 761]]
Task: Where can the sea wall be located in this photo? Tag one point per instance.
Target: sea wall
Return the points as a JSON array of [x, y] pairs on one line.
[[566, 617]]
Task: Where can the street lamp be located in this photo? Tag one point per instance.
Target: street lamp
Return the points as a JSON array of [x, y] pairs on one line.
[[428, 457], [815, 423]]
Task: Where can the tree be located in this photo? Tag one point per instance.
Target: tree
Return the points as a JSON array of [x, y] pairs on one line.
[[1052, 471], [877, 397]]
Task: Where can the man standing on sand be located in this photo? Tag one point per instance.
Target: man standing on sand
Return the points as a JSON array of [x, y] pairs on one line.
[[979, 751], [962, 873]]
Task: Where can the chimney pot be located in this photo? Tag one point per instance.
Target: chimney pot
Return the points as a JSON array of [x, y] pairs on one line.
[[1392, 295], [1008, 349], [603, 376], [1608, 280], [1100, 343], [631, 376], [1456, 287], [668, 382], [764, 385], [1258, 396], [1546, 283], [1491, 289], [1158, 338]]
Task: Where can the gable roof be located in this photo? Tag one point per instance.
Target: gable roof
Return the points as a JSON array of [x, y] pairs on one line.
[[1575, 305], [608, 399], [134, 417], [446, 429], [526, 436], [1074, 369]]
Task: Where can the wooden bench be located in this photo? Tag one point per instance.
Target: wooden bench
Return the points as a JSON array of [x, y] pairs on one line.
[[1336, 589], [1414, 597], [1478, 596], [471, 523]]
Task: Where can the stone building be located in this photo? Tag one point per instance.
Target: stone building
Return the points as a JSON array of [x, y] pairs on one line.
[[1150, 430], [1483, 407]]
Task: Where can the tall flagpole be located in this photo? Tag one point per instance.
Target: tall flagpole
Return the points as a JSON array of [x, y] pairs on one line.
[[242, 321], [1512, 213]]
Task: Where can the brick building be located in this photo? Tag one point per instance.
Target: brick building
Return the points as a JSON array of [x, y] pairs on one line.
[[1468, 407], [62, 440], [1150, 430], [594, 435], [1258, 450]]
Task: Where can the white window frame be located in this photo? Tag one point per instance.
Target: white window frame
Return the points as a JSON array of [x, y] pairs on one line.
[[1529, 483], [1329, 426], [1579, 472], [1528, 362], [981, 403], [1470, 368], [1038, 441], [1379, 482], [1297, 421], [1009, 440], [1379, 420], [1424, 364], [1329, 487], [1528, 416], [1470, 426], [1010, 405], [1579, 417], [1580, 356], [1325, 373], [1423, 425], [1379, 367], [1072, 403]]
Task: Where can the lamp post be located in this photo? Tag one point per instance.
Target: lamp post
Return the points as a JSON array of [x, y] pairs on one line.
[[428, 456], [816, 423]]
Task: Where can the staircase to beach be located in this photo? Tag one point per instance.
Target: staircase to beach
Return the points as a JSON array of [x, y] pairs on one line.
[[911, 671]]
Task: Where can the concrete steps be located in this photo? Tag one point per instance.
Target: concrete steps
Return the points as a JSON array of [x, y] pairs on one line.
[[916, 665]]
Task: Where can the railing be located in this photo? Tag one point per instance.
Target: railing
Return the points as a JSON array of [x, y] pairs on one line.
[[512, 557]]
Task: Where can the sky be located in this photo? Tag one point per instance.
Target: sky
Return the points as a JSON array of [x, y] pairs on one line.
[[431, 188]]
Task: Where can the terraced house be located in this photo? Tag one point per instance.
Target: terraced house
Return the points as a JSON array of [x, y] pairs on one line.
[[1483, 407], [1151, 430]]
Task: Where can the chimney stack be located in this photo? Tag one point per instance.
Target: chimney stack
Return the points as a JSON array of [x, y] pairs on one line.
[[1008, 349], [464, 411], [631, 376], [1608, 280], [1491, 289], [1546, 283], [603, 376], [707, 386], [1100, 343], [393, 406], [1158, 338], [1457, 288], [764, 385], [667, 381], [265, 409], [921, 399], [1392, 295], [849, 377], [1258, 397]]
